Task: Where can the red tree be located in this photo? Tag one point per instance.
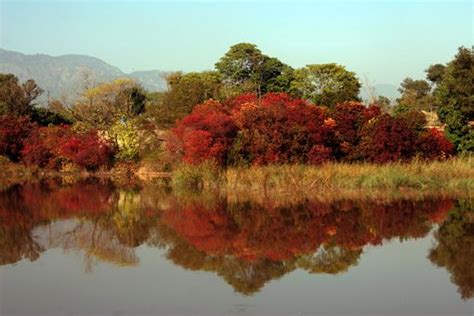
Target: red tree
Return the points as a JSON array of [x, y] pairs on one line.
[[350, 117], [280, 129], [205, 134], [387, 139], [433, 144], [88, 150], [43, 147], [13, 132]]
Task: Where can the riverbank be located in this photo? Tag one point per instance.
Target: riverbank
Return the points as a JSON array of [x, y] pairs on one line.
[[453, 177]]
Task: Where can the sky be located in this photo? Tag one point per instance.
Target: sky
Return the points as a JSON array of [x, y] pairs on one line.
[[382, 41]]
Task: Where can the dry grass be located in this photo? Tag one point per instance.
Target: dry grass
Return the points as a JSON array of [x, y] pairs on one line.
[[454, 177]]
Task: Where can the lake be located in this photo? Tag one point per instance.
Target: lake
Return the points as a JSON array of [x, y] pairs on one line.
[[92, 247]]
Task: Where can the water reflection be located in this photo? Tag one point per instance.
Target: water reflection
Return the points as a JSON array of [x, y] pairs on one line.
[[246, 242]]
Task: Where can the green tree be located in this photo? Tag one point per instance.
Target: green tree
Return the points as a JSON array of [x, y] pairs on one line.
[[102, 105], [415, 96], [455, 96], [435, 73], [245, 69], [455, 248], [326, 84], [184, 92], [17, 98]]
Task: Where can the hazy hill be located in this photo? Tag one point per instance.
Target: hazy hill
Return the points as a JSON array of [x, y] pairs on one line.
[[387, 90], [65, 76]]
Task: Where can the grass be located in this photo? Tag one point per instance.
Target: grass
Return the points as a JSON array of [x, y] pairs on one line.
[[449, 177]]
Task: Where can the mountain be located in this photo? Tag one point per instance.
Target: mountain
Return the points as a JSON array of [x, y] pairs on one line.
[[65, 76], [152, 80]]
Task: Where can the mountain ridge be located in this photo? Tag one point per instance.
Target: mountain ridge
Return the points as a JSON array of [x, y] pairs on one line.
[[64, 76]]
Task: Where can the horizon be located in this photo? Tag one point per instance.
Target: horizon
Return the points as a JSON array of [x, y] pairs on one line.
[[384, 41]]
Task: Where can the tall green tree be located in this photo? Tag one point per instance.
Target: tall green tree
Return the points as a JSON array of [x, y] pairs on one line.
[[245, 68], [415, 96], [326, 84], [17, 98], [184, 92], [455, 96]]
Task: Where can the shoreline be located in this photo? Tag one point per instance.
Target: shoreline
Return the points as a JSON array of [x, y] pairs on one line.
[[453, 177]]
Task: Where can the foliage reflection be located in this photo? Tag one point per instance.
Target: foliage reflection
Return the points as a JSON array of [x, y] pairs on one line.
[[246, 242]]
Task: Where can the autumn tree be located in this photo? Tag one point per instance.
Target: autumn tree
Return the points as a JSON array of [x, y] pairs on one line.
[[13, 132], [326, 84], [88, 150], [350, 117], [205, 134], [281, 129], [103, 105], [387, 139], [42, 148]]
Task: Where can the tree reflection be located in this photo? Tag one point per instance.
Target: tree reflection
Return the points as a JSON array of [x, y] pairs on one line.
[[246, 242], [455, 248]]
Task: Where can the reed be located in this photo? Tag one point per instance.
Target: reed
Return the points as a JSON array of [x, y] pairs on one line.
[[448, 177]]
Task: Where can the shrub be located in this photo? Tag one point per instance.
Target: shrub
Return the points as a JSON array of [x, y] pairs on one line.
[[205, 134], [88, 150], [42, 147], [281, 129], [432, 144], [416, 120], [350, 117], [13, 132], [387, 139], [126, 139]]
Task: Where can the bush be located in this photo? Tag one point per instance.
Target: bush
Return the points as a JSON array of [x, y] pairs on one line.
[[387, 139], [42, 148], [88, 150], [13, 132], [281, 129], [350, 117], [432, 144], [205, 134], [126, 139]]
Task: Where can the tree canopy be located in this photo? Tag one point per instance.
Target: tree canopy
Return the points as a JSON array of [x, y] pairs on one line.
[[326, 84]]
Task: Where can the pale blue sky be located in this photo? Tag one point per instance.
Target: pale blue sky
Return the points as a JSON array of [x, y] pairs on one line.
[[383, 40]]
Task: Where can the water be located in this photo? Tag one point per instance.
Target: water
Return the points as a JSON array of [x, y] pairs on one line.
[[91, 248]]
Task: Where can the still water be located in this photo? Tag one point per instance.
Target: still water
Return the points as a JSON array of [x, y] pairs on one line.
[[94, 248]]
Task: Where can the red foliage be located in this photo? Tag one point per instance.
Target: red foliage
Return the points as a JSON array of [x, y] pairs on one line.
[[416, 120], [42, 147], [281, 129], [387, 139], [319, 154], [235, 103], [350, 118], [205, 134], [433, 144], [88, 150], [264, 231], [13, 131]]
